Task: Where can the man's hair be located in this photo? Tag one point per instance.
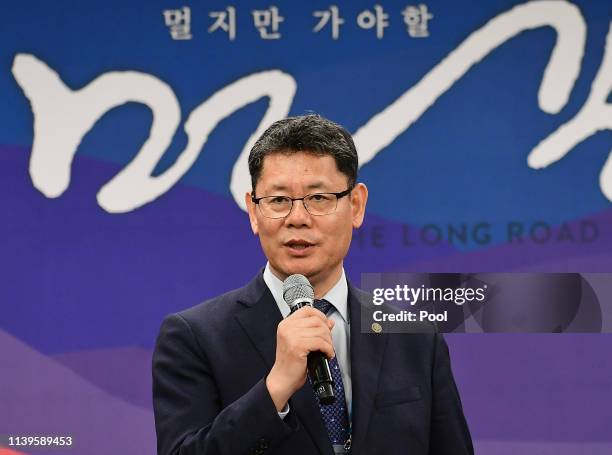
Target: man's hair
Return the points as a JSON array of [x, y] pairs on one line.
[[307, 133]]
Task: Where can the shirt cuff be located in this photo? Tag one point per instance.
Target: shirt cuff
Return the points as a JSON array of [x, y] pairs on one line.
[[283, 412]]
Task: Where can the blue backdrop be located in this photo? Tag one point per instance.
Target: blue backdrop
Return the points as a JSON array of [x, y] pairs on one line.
[[483, 130]]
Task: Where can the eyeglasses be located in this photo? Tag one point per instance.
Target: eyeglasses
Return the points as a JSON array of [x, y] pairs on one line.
[[316, 204]]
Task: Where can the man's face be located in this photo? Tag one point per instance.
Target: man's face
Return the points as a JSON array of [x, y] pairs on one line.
[[313, 246]]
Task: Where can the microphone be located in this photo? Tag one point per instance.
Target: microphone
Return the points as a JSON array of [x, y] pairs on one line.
[[298, 292]]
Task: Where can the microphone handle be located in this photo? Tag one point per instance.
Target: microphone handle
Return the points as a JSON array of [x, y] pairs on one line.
[[318, 368], [320, 377]]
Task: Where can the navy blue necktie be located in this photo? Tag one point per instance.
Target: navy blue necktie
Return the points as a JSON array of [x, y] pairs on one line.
[[334, 415]]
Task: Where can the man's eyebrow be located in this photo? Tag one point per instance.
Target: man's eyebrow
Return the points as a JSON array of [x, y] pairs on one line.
[[313, 186], [278, 187], [316, 185]]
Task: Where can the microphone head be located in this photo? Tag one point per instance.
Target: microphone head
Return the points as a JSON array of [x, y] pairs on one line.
[[297, 287]]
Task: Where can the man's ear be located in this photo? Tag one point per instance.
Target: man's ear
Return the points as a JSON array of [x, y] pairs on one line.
[[359, 198], [251, 207]]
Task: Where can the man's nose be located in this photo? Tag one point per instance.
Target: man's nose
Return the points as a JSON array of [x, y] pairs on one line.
[[298, 214]]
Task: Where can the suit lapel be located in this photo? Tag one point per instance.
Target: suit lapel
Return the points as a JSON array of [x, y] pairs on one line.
[[259, 320], [367, 351]]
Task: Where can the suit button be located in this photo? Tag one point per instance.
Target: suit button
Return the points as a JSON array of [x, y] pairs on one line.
[[264, 443]]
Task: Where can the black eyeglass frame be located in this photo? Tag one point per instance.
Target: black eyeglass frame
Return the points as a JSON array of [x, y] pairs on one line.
[[339, 195]]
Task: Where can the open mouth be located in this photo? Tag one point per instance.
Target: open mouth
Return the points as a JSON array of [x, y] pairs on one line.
[[299, 245]]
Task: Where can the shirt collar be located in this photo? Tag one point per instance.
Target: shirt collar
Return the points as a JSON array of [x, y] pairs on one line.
[[337, 295]]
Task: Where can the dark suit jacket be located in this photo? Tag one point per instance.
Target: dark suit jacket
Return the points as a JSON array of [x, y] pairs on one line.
[[210, 397]]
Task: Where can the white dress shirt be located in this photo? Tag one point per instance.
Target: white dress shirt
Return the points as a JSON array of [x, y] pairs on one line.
[[338, 297]]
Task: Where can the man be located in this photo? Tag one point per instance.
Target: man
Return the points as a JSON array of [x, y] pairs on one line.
[[229, 375]]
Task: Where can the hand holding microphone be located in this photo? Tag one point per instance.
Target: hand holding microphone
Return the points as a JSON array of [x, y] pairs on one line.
[[303, 343]]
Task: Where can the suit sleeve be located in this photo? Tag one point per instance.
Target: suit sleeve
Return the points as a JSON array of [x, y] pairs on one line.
[[189, 418], [449, 431]]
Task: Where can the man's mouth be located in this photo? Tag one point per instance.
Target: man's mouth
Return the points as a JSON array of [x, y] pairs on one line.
[[298, 244]]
